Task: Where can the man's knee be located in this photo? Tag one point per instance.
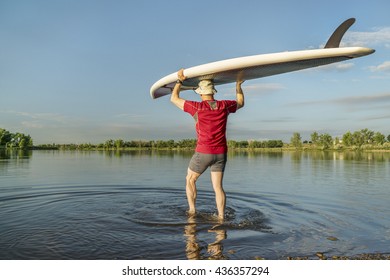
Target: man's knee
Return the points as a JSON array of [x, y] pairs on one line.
[[192, 177]]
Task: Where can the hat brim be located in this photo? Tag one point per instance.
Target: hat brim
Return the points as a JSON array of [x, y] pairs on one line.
[[208, 91]]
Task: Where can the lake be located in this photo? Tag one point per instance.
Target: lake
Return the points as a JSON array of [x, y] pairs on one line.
[[132, 205]]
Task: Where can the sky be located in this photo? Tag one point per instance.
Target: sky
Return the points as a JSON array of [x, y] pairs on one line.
[[80, 71]]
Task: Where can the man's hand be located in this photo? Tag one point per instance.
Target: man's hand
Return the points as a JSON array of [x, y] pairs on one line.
[[180, 75], [239, 82], [175, 97]]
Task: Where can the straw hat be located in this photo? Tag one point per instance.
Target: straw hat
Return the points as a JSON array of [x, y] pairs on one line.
[[206, 87]]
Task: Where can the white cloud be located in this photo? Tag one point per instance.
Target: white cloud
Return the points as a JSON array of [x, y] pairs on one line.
[[263, 88], [366, 101], [376, 37], [38, 116], [42, 120], [344, 66], [384, 67], [259, 89], [340, 67], [32, 124]]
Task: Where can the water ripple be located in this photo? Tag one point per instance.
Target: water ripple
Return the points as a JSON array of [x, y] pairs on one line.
[[100, 221], [148, 222]]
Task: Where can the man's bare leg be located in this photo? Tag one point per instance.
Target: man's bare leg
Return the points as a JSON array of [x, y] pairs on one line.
[[191, 190], [220, 196]]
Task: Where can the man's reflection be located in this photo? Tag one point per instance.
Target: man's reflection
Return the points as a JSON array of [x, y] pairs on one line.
[[194, 251]]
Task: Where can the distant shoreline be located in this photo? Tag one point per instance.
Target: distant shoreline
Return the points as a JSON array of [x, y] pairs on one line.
[[281, 149], [363, 140]]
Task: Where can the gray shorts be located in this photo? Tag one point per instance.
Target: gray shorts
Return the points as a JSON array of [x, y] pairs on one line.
[[200, 162]]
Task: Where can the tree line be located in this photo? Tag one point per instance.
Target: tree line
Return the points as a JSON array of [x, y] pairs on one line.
[[119, 144], [15, 140], [361, 139]]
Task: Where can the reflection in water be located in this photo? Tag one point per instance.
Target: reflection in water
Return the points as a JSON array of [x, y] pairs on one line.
[[215, 249], [148, 153], [194, 250], [192, 246], [131, 205], [14, 160], [15, 154], [297, 156]]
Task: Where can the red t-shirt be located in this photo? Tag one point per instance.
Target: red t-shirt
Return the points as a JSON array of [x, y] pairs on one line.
[[211, 118]]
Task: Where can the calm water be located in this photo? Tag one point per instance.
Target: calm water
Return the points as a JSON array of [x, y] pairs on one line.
[[131, 205]]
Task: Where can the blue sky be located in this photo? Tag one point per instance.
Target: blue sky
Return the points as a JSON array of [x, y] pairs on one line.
[[77, 71]]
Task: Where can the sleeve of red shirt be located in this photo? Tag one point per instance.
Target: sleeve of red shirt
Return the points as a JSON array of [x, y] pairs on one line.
[[190, 107], [231, 106]]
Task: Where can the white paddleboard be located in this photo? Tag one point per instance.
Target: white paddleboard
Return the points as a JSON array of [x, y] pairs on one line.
[[263, 65]]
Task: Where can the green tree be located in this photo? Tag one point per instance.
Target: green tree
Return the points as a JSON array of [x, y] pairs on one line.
[[296, 140], [232, 144], [357, 138], [367, 136], [5, 137], [326, 140], [171, 144], [187, 143], [274, 144], [314, 137], [160, 144], [379, 138], [15, 140], [347, 139], [23, 143], [119, 143], [109, 144], [240, 144]]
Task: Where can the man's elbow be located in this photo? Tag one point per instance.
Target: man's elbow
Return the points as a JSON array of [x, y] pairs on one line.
[[174, 99], [178, 102]]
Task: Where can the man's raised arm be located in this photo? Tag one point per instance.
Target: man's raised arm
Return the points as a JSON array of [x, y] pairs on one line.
[[175, 97], [239, 95]]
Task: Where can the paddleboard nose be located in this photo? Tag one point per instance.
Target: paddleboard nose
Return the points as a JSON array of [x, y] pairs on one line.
[[363, 52]]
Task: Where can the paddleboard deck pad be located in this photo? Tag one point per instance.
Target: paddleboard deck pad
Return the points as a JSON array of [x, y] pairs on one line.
[[263, 65]]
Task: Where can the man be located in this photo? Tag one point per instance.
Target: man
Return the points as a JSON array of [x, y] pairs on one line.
[[211, 118]]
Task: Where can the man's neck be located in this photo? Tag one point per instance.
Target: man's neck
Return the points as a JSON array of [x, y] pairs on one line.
[[207, 97]]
